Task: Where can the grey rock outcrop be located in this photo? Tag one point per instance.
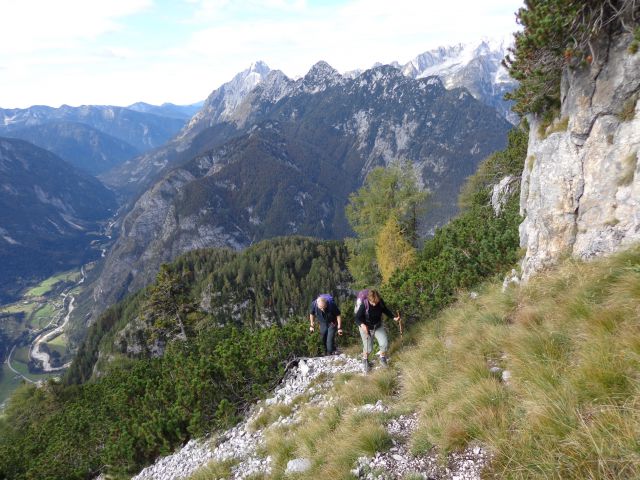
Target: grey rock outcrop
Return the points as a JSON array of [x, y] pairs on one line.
[[298, 465], [580, 191], [501, 193]]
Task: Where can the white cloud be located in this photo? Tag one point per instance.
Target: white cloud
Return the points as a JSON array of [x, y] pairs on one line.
[[355, 35], [69, 52], [32, 25]]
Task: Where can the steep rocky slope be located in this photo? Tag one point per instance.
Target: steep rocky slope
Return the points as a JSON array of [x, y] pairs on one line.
[[581, 188]]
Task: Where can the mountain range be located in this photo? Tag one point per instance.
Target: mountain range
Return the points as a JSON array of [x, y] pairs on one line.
[[473, 66], [94, 138], [268, 155]]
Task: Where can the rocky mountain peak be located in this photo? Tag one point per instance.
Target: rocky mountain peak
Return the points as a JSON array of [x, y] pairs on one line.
[[319, 77], [275, 86], [259, 67], [221, 105], [475, 66], [431, 58], [321, 70]]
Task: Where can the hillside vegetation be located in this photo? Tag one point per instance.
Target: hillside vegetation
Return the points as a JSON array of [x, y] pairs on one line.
[[544, 377], [269, 283]]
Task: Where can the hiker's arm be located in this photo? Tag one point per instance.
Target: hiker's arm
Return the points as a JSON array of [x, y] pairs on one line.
[[360, 315], [312, 316], [386, 310], [338, 314]]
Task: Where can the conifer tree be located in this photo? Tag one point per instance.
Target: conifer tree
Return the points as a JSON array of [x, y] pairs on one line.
[[167, 304]]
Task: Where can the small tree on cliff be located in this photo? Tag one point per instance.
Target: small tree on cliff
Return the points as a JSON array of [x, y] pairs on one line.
[[167, 304]]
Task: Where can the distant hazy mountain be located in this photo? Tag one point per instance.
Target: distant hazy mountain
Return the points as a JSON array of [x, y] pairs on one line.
[[48, 210], [474, 66], [81, 145], [182, 112], [138, 174], [140, 130], [282, 157]]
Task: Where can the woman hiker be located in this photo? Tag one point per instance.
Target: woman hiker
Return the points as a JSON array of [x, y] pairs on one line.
[[369, 321]]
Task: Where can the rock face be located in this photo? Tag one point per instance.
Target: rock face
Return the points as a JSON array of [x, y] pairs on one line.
[[580, 191]]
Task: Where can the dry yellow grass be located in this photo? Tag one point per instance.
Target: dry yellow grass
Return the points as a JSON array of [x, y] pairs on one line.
[[571, 341]]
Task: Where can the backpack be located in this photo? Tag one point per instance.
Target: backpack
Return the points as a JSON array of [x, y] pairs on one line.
[[362, 297]]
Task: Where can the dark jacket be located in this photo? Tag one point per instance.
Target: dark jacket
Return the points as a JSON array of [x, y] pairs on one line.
[[330, 315], [374, 318]]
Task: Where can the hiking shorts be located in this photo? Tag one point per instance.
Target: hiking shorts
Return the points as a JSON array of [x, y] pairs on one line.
[[381, 338]]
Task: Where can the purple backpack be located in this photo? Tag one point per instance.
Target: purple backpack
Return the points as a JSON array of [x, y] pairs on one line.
[[363, 297]]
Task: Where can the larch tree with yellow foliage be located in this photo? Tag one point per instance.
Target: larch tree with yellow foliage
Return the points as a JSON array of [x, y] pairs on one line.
[[384, 213], [393, 249]]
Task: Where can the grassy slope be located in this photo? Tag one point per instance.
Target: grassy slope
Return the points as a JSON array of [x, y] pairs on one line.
[[571, 408], [571, 341]]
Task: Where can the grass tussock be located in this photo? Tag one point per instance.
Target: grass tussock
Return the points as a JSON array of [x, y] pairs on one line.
[[560, 125], [571, 342], [359, 390], [270, 414], [215, 470], [551, 122]]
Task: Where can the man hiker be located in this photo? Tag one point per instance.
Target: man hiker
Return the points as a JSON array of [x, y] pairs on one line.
[[328, 314], [369, 321]]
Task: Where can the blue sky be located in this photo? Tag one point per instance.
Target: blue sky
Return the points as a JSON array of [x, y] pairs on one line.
[[122, 51]]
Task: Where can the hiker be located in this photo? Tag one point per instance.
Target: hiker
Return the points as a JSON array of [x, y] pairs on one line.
[[328, 314], [369, 321]]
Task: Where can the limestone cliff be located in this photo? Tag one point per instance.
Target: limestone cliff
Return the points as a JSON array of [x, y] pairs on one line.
[[580, 185]]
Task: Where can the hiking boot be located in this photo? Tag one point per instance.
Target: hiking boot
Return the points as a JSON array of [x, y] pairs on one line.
[[365, 365], [383, 361]]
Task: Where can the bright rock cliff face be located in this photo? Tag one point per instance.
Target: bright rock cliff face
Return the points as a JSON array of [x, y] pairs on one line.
[[581, 182]]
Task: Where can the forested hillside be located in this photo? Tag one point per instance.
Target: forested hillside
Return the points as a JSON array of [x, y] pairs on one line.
[[177, 360], [271, 283]]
